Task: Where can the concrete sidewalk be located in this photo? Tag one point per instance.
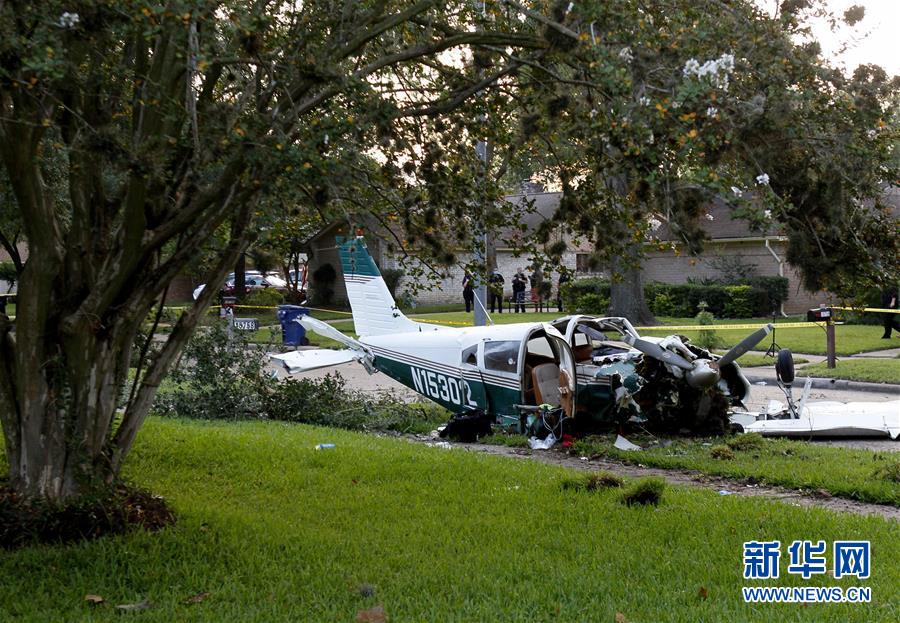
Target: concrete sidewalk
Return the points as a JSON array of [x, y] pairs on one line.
[[766, 374]]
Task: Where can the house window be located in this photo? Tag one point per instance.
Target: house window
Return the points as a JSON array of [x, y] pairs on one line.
[[583, 263]]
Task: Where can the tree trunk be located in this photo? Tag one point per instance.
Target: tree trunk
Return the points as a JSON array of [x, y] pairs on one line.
[[627, 290]]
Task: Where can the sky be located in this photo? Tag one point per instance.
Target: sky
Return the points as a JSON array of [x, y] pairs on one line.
[[876, 39]]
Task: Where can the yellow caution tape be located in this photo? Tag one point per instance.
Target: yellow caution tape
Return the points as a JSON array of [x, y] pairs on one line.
[[877, 310], [435, 321], [729, 327]]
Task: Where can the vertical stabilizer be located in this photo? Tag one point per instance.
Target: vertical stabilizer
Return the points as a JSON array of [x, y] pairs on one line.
[[374, 309]]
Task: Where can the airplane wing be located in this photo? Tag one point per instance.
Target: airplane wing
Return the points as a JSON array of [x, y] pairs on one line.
[[305, 360]]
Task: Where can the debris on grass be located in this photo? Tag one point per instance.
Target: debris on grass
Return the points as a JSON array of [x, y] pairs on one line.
[[94, 600], [104, 512], [375, 614], [366, 590], [647, 491], [721, 452], [196, 599], [141, 605], [625, 445], [747, 441]]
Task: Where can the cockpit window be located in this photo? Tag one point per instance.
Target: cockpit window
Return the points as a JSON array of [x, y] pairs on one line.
[[469, 355], [501, 356]]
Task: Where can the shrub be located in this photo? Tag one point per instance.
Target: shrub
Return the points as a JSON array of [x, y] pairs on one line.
[[662, 305], [575, 290], [747, 441], [706, 339], [223, 377], [264, 297], [721, 452], [739, 303], [645, 491], [591, 303]]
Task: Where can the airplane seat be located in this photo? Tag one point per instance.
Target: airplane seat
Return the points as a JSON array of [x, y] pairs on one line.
[[528, 384], [546, 383], [583, 353]]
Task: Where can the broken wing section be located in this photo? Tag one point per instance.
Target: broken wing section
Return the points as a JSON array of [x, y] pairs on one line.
[[305, 360]]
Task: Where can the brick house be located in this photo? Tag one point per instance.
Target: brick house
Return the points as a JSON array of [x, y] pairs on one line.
[[731, 243]]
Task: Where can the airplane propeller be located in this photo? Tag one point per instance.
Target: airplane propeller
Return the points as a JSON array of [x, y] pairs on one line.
[[699, 373], [744, 345]]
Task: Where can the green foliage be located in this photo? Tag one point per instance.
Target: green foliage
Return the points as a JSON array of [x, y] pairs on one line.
[[392, 277], [746, 442], [222, 377], [645, 492], [706, 339], [723, 300], [842, 472], [263, 298], [721, 452], [254, 498]]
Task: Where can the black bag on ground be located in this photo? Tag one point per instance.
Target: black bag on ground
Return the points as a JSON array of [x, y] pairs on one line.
[[468, 427]]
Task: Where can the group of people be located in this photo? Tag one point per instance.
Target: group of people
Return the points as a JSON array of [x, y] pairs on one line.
[[540, 289]]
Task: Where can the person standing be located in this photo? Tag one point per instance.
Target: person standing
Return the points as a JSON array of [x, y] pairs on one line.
[[495, 287], [890, 321], [518, 286], [563, 279], [468, 291], [537, 284]]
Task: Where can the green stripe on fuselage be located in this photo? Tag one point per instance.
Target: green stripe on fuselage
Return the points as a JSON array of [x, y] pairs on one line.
[[449, 391]]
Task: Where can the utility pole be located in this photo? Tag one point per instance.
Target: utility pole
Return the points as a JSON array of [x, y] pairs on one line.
[[482, 250]]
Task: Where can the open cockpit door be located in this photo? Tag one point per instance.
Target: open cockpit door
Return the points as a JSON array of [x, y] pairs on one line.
[[547, 370], [474, 393]]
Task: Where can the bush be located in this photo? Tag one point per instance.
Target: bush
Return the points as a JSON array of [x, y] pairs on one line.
[[662, 305], [706, 339], [747, 441], [575, 291], [222, 377], [721, 452], [264, 297], [647, 491]]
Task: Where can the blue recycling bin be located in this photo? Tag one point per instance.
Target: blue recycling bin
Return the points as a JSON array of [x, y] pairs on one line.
[[292, 332]]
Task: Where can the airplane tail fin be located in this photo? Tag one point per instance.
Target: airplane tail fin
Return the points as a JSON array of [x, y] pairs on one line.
[[374, 309]]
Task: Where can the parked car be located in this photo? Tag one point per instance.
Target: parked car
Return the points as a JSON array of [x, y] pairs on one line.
[[253, 280]]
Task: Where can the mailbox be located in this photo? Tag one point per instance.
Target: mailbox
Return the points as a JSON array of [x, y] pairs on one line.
[[819, 314]]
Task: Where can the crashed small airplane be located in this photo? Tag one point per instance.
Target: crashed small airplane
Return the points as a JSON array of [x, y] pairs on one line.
[[581, 370], [818, 418]]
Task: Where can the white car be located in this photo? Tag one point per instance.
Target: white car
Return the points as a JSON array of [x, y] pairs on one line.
[[253, 279]]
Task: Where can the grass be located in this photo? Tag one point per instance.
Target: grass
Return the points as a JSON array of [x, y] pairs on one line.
[[849, 339], [870, 370], [274, 530], [842, 472]]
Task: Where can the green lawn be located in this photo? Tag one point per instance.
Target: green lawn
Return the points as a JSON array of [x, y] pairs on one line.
[[794, 464], [849, 339], [274, 530], [871, 370]]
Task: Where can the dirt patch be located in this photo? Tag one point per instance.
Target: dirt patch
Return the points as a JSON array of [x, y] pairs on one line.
[[115, 511], [689, 479]]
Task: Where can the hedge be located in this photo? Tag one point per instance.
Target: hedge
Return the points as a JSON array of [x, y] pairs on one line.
[[759, 297]]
